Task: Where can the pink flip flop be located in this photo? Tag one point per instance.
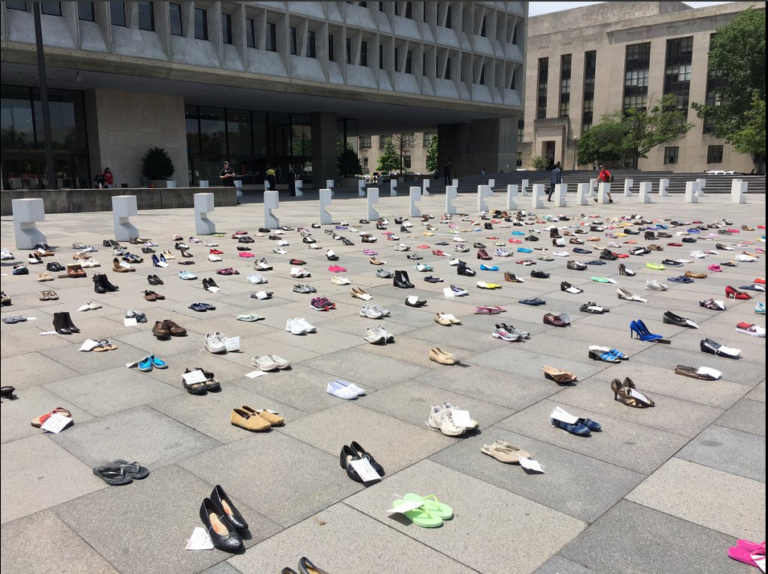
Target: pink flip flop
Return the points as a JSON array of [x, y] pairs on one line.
[[745, 556], [715, 268], [750, 546]]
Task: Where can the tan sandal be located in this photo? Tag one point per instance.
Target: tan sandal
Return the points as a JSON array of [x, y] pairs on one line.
[[104, 345], [504, 452], [559, 376], [44, 277]]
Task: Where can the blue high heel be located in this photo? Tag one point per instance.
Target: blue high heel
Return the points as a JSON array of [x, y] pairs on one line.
[[638, 328]]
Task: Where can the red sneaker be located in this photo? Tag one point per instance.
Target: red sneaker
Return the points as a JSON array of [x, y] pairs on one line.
[[216, 252]]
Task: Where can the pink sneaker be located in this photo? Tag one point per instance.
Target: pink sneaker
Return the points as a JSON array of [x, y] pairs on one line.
[[370, 252], [246, 254], [336, 269]]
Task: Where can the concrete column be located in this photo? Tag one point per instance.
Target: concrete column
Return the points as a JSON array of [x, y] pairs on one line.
[[645, 192], [738, 191], [663, 185], [691, 192], [603, 189], [538, 193], [511, 197], [702, 184], [582, 193], [628, 183], [561, 191], [324, 166]]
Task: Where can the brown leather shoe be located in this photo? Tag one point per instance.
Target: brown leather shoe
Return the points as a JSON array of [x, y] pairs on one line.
[[511, 277], [161, 330], [483, 254], [693, 275], [174, 329], [75, 270], [654, 247], [554, 320]]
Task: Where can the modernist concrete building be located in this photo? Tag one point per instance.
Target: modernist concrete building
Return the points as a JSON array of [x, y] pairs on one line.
[[258, 83], [586, 62]]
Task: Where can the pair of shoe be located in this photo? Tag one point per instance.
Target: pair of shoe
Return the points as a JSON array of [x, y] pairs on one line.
[[344, 389], [256, 279], [322, 304], [671, 318], [463, 269], [606, 354], [378, 334], [712, 304], [359, 293], [749, 553], [355, 452], [561, 320], [414, 301], [654, 285], [154, 280], [215, 343], [151, 362], [373, 312], [441, 417], [559, 376], [200, 382], [167, 328], [750, 329], [627, 394], [209, 283], [305, 567], [102, 285], [442, 357], [509, 333], [732, 293], [299, 326], [568, 288], [580, 426], [593, 308], [121, 472], [505, 452], [639, 329], [187, 276], [255, 420], [268, 363], [304, 289], [62, 323], [713, 348], [625, 295], [223, 521], [402, 280], [446, 319]]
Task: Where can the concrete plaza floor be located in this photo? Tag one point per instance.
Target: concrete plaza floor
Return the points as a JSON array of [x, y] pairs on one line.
[[662, 490]]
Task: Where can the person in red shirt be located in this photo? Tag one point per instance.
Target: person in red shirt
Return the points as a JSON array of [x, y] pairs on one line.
[[605, 177], [108, 178]]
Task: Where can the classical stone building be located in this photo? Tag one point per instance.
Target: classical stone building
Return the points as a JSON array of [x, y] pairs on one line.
[[262, 84], [586, 62]]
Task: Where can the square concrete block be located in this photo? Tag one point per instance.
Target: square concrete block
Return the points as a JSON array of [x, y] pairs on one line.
[[157, 517], [57, 547], [626, 540], [18, 343], [38, 474], [758, 393], [568, 485], [724, 502], [257, 472], [141, 434], [747, 416], [728, 450], [325, 539], [364, 368], [501, 525], [559, 565]]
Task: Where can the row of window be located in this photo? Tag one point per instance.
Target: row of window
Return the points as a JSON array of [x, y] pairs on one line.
[[672, 154]]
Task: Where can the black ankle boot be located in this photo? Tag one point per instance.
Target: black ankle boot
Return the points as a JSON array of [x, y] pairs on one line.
[[59, 324], [69, 324], [107, 285], [404, 275], [97, 284], [399, 281]]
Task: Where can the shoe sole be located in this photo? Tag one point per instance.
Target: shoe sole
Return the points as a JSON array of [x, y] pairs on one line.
[[743, 332]]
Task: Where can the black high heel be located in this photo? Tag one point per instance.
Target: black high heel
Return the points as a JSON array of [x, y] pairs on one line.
[[223, 503], [223, 534], [306, 567], [59, 325], [362, 453]]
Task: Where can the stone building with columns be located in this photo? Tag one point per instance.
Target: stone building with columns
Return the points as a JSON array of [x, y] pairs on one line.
[[587, 62], [262, 84]]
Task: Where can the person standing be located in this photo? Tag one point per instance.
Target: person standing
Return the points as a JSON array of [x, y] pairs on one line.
[[108, 178], [271, 178], [555, 178], [604, 177], [447, 172], [227, 175], [98, 181]]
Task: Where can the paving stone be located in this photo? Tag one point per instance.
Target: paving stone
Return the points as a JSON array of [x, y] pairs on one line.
[[529, 364], [757, 394], [18, 371], [623, 443], [262, 346], [318, 342], [746, 415], [222, 568], [491, 517], [157, 516], [283, 478], [95, 362], [33, 402], [569, 485], [45, 473], [631, 538], [19, 342], [59, 550], [724, 502], [366, 369], [559, 565], [728, 450], [325, 539], [161, 442], [414, 351]]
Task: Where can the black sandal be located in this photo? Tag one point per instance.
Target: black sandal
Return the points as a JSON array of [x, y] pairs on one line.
[[112, 476]]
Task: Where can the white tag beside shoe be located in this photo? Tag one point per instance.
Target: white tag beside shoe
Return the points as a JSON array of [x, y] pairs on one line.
[[200, 540], [529, 464], [710, 372], [461, 418], [563, 416], [130, 322], [56, 423], [448, 292], [406, 506], [232, 344], [193, 377], [639, 396], [89, 345], [364, 470], [254, 374]]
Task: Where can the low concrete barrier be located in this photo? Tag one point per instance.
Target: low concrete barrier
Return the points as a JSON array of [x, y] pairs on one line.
[[84, 200]]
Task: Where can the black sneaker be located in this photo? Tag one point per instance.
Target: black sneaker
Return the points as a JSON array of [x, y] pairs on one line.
[[540, 274]]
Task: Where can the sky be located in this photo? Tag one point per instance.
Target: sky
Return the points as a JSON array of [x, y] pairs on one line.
[[538, 8]]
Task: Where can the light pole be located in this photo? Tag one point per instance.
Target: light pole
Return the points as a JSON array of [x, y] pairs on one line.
[[575, 151]]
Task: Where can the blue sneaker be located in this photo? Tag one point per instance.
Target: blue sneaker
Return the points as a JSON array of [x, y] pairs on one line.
[[524, 250], [533, 302], [518, 233], [187, 275], [577, 429], [20, 270], [591, 425], [145, 364], [485, 268], [157, 363]]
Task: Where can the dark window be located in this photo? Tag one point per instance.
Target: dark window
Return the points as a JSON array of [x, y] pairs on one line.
[[565, 86], [213, 130], [16, 6], [294, 42], [226, 28], [193, 129], [250, 32], [381, 56], [520, 131], [271, 44], [147, 16], [448, 18], [51, 8], [447, 68], [349, 50], [677, 73], [715, 154], [636, 66], [311, 46], [670, 155], [175, 16], [331, 55], [364, 53], [519, 159], [365, 142], [715, 82], [407, 159], [483, 30], [409, 10], [541, 110], [482, 75], [409, 62], [239, 136], [85, 11], [363, 4], [514, 35], [117, 13], [201, 24], [428, 140]]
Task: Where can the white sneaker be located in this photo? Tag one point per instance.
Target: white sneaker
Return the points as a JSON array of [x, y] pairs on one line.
[[654, 285], [283, 243], [214, 258], [473, 423], [503, 253], [699, 254], [306, 325], [215, 343], [561, 254], [402, 247], [262, 265], [299, 272], [379, 309], [370, 313], [314, 246], [279, 251], [340, 391], [264, 363], [211, 244], [351, 386], [294, 327], [746, 258], [89, 263], [256, 279], [336, 280], [441, 419]]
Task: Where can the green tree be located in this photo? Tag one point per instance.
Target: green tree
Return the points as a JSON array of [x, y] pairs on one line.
[[538, 163], [433, 161], [389, 160], [157, 164], [737, 58], [601, 143], [347, 161]]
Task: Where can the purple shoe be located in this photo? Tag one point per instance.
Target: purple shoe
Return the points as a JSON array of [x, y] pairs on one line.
[[370, 252]]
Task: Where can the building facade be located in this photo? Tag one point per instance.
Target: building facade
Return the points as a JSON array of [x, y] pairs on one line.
[[587, 62], [415, 151], [262, 84]]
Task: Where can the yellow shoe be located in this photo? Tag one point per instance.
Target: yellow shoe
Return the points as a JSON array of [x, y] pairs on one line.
[[271, 417], [247, 421]]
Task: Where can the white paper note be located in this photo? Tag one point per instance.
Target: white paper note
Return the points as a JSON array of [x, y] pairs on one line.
[[89, 345], [405, 507], [760, 561], [365, 470], [254, 374], [214, 289], [194, 377], [561, 415], [461, 418], [262, 295], [162, 264], [529, 464], [448, 292], [638, 395], [232, 344], [125, 265], [48, 333], [199, 540], [56, 423], [711, 372], [130, 322], [366, 297]]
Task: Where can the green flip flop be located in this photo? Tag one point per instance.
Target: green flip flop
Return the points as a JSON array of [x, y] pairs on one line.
[[432, 504], [420, 516], [600, 280]]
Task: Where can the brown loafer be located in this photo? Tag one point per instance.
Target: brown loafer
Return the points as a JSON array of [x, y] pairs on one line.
[[693, 275], [161, 330], [174, 329], [554, 320]]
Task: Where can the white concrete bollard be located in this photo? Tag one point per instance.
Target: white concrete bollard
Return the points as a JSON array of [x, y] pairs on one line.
[[123, 208], [491, 183], [511, 197], [738, 191], [373, 199], [425, 187], [663, 185], [203, 206], [299, 188], [203, 183], [325, 202], [330, 184], [702, 184], [523, 187], [271, 202], [645, 192], [393, 187], [26, 214], [691, 192], [537, 195], [582, 193], [451, 194], [603, 189], [266, 186], [628, 183], [455, 183], [415, 197], [361, 188], [483, 193], [561, 192]]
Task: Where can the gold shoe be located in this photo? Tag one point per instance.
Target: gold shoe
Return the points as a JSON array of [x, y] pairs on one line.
[[249, 422], [559, 376], [271, 417], [437, 355], [621, 392]]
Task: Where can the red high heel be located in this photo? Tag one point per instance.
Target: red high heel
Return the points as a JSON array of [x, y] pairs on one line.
[[731, 293]]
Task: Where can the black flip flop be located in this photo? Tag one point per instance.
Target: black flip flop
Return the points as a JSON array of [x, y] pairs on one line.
[[112, 476], [132, 469], [7, 392]]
